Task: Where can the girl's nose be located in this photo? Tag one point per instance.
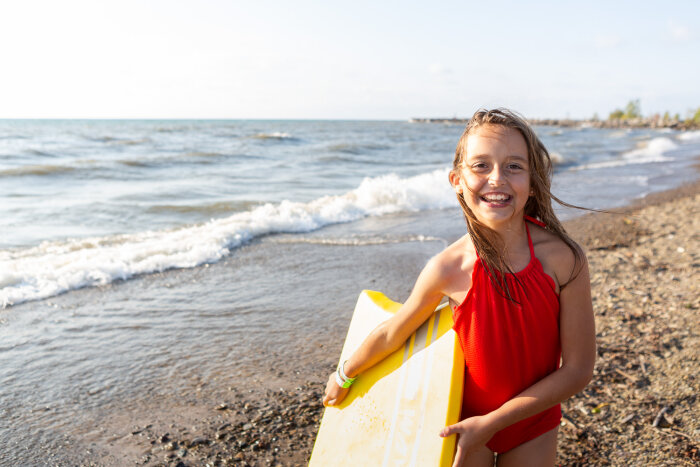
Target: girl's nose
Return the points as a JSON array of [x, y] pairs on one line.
[[497, 176]]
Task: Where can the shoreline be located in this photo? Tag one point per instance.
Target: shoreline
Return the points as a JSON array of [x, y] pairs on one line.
[[650, 123], [640, 407]]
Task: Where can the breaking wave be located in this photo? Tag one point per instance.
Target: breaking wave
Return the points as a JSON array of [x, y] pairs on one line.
[[55, 267]]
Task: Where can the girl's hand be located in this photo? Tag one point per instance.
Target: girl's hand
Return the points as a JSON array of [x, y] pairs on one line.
[[334, 394], [473, 432]]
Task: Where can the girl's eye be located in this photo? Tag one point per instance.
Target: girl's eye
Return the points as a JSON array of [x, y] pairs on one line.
[[515, 167], [479, 166]]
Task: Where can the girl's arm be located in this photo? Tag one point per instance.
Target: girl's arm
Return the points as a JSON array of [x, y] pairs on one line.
[[577, 335], [391, 334]]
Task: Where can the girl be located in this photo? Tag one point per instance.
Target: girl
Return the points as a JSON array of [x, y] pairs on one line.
[[520, 293]]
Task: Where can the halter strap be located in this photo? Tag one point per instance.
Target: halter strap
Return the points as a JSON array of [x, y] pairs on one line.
[[529, 243], [535, 221]]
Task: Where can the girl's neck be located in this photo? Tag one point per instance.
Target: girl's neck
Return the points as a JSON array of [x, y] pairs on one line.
[[510, 231], [513, 233]]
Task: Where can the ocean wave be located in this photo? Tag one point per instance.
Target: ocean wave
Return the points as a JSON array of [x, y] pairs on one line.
[[41, 170], [135, 163], [130, 142], [13, 137], [222, 207], [171, 129], [690, 136], [558, 160], [358, 240], [618, 163], [618, 134], [357, 149], [276, 135], [55, 267], [37, 152], [203, 154], [600, 165], [114, 140], [653, 150], [349, 159], [192, 157]]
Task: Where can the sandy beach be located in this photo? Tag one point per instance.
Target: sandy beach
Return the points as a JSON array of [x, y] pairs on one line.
[[639, 409]]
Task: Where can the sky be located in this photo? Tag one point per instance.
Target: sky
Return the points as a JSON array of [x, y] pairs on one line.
[[376, 59]]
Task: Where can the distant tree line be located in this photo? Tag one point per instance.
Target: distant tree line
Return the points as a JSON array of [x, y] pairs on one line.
[[633, 111]]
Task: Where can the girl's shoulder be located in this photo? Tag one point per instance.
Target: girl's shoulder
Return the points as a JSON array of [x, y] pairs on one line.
[[452, 269], [456, 258], [554, 253]]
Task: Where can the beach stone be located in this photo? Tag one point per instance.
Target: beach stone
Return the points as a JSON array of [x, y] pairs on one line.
[[241, 444], [199, 440]]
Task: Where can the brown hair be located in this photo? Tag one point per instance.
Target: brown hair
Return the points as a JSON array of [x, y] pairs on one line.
[[487, 242]]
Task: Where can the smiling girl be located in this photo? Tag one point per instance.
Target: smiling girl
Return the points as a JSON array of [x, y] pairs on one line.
[[519, 289]]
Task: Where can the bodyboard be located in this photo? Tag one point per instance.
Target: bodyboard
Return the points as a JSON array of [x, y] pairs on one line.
[[394, 411]]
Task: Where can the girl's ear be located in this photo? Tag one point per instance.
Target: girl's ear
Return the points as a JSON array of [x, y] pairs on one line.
[[456, 182]]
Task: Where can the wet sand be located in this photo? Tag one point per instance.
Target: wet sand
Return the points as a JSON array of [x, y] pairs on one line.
[[640, 408]]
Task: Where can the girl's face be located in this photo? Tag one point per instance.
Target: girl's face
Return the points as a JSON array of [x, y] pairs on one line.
[[494, 175]]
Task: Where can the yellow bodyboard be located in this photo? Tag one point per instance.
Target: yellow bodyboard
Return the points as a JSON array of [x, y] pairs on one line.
[[395, 410]]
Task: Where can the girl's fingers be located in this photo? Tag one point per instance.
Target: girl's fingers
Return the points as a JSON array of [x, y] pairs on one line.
[[334, 394], [329, 400], [449, 430], [331, 395]]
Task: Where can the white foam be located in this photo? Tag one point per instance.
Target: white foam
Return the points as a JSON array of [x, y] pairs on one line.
[[655, 150], [557, 159], [52, 268], [652, 151], [357, 240], [690, 136], [274, 135]]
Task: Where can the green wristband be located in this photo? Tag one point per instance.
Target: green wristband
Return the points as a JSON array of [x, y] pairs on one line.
[[342, 379]]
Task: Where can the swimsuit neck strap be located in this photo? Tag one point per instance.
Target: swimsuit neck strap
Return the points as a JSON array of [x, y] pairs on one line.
[[536, 221], [529, 242]]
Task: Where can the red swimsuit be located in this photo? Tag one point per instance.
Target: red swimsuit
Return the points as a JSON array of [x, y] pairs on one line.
[[509, 346]]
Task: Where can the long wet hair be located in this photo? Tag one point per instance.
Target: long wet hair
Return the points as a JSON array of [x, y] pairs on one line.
[[488, 244]]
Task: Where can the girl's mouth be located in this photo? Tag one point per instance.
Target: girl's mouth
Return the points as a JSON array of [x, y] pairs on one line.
[[496, 199]]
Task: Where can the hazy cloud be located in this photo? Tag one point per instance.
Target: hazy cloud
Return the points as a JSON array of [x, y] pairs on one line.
[[678, 32], [439, 69], [607, 41]]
